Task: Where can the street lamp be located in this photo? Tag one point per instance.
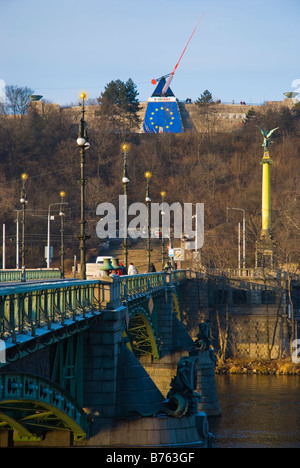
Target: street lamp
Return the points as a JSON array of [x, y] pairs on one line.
[[82, 142], [62, 214], [17, 241], [23, 200], [162, 194], [125, 180], [148, 176], [244, 234], [48, 235]]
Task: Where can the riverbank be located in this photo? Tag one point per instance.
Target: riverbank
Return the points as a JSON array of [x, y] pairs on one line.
[[258, 367]]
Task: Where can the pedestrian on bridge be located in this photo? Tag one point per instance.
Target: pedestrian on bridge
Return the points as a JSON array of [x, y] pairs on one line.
[[132, 270]]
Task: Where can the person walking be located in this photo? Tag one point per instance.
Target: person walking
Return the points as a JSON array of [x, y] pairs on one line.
[[131, 269]]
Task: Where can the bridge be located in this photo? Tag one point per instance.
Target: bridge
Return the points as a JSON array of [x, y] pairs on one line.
[[117, 361], [71, 355]]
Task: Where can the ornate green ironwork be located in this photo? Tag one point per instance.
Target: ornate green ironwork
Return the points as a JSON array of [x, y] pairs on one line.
[[135, 285], [31, 406], [25, 309], [37, 274], [33, 317], [141, 333], [138, 291]]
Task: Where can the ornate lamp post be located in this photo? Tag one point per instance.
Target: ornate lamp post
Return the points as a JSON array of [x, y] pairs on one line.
[[148, 176], [23, 200], [125, 180], [82, 142], [162, 194], [62, 214]]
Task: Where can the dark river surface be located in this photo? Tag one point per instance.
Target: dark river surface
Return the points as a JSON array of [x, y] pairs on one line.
[[258, 411]]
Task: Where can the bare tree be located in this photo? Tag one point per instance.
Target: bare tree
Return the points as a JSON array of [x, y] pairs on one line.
[[17, 100]]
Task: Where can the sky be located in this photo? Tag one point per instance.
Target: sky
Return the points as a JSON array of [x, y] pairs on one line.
[[242, 50]]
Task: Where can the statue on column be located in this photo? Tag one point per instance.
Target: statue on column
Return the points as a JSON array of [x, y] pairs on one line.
[[182, 398], [203, 342], [267, 136]]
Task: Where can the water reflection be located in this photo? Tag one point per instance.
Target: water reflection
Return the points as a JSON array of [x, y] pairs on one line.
[[257, 412]]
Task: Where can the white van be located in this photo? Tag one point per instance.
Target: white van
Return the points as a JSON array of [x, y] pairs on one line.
[[93, 269], [101, 259]]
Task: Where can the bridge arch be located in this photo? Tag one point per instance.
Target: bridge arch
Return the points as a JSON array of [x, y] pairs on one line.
[[32, 406], [141, 333], [176, 305]]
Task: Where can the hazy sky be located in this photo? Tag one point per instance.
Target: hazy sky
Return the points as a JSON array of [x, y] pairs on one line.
[[242, 50]]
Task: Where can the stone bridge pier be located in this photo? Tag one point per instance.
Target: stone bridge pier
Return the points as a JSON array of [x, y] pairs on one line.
[[125, 392]]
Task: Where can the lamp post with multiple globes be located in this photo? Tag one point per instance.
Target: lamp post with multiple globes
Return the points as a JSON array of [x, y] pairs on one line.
[[62, 215], [82, 142], [23, 200], [125, 181], [148, 176], [162, 194]]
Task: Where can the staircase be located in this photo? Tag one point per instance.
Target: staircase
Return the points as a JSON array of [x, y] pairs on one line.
[[186, 120]]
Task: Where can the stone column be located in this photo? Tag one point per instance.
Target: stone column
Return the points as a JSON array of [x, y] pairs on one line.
[[206, 361], [206, 384], [265, 247]]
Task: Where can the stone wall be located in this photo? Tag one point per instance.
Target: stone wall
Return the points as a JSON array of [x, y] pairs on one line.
[[258, 323], [220, 118]]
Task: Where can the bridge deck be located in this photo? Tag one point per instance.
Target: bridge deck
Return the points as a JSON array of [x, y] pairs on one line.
[[35, 308]]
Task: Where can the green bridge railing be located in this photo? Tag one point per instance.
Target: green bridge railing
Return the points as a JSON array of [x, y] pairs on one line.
[[24, 308], [28, 310], [34, 274], [131, 286]]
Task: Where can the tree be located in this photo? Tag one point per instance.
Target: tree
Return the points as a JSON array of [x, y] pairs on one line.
[[205, 99], [206, 110], [17, 100], [119, 104], [250, 115]]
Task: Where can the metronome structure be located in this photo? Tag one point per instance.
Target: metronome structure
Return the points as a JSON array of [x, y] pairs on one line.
[[162, 113], [265, 246]]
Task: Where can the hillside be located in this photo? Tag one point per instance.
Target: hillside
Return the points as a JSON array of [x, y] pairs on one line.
[[220, 169]]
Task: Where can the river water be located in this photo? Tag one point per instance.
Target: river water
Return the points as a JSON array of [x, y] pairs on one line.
[[258, 411]]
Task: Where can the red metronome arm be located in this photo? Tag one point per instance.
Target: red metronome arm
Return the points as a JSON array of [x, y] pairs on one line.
[[164, 90]]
